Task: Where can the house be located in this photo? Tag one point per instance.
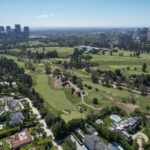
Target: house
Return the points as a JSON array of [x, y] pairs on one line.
[[92, 143], [89, 129], [13, 105], [129, 124], [20, 139], [126, 127], [16, 118]]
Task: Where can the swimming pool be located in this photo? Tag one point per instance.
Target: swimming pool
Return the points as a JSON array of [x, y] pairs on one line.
[[115, 118]]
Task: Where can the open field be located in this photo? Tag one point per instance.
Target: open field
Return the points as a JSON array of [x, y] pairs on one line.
[[120, 95], [58, 100], [102, 101], [60, 50], [127, 64], [73, 114], [55, 97]]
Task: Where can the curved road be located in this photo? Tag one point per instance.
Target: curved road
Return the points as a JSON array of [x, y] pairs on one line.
[[82, 95]]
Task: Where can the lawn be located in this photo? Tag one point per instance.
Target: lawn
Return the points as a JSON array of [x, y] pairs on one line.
[[60, 50], [102, 101], [73, 115], [120, 95], [54, 97], [134, 65]]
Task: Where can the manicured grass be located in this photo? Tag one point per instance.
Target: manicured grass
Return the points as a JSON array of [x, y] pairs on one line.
[[73, 115], [120, 95], [55, 98], [80, 73], [61, 50], [73, 99], [108, 62], [102, 101]]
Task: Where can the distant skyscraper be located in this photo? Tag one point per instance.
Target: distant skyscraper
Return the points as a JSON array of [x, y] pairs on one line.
[[124, 39], [8, 28], [149, 36], [2, 29], [18, 31], [26, 32], [143, 34], [103, 40], [12, 35]]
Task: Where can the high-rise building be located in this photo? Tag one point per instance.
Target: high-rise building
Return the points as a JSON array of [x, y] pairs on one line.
[[143, 34], [2, 29], [103, 40], [125, 39], [148, 36], [8, 28], [12, 35], [18, 31], [26, 32]]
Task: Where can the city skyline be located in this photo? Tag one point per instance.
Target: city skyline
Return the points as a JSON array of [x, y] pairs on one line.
[[70, 13]]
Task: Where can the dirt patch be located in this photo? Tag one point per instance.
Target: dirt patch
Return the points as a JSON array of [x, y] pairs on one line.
[[125, 106], [57, 82], [141, 138], [66, 112]]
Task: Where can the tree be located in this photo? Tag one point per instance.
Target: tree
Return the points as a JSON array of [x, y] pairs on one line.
[[56, 72], [147, 146], [148, 108], [111, 53], [74, 79], [144, 67], [94, 77], [59, 129], [47, 68], [95, 101], [103, 52]]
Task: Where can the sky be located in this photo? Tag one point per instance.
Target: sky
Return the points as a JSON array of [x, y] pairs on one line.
[[75, 13]]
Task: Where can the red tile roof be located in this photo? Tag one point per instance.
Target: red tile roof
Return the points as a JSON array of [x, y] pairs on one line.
[[21, 138]]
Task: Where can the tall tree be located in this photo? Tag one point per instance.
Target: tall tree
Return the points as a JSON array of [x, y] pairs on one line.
[[144, 67]]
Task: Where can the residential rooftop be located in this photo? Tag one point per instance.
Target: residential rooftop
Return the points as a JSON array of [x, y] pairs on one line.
[[20, 139]]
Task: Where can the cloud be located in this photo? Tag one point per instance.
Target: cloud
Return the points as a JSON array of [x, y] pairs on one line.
[[45, 16]]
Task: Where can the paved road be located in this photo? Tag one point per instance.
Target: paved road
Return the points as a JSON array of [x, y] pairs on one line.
[[82, 95], [42, 121]]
